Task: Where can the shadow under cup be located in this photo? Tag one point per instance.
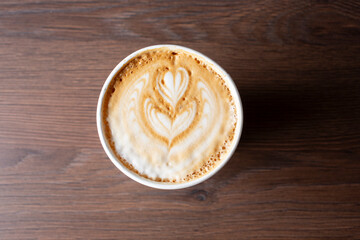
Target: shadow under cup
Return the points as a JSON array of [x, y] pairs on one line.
[[103, 135]]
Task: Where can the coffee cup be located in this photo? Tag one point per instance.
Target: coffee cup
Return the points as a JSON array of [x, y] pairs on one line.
[[171, 113]]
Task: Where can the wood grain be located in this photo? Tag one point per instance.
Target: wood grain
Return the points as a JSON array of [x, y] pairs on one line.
[[295, 174]]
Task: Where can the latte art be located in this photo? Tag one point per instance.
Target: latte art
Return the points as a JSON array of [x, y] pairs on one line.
[[170, 117], [170, 124]]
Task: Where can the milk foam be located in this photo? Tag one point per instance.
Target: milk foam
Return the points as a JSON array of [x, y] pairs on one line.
[[169, 116]]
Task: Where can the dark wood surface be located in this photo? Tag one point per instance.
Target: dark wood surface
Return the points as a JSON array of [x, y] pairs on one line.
[[295, 174]]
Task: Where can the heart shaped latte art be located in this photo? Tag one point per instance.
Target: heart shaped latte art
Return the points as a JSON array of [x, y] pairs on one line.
[[171, 89]]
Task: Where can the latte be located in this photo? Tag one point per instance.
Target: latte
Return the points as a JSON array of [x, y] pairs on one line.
[[169, 115]]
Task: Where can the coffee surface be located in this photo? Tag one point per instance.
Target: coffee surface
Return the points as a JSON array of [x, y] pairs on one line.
[[169, 115]]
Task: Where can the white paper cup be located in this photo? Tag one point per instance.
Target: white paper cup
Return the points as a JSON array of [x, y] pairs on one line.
[[164, 185]]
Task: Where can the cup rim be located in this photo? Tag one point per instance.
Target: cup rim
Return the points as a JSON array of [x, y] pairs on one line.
[[165, 185]]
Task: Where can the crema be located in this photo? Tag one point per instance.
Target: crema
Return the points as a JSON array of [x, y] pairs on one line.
[[169, 115]]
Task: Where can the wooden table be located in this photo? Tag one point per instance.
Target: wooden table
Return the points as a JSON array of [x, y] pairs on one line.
[[295, 174]]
